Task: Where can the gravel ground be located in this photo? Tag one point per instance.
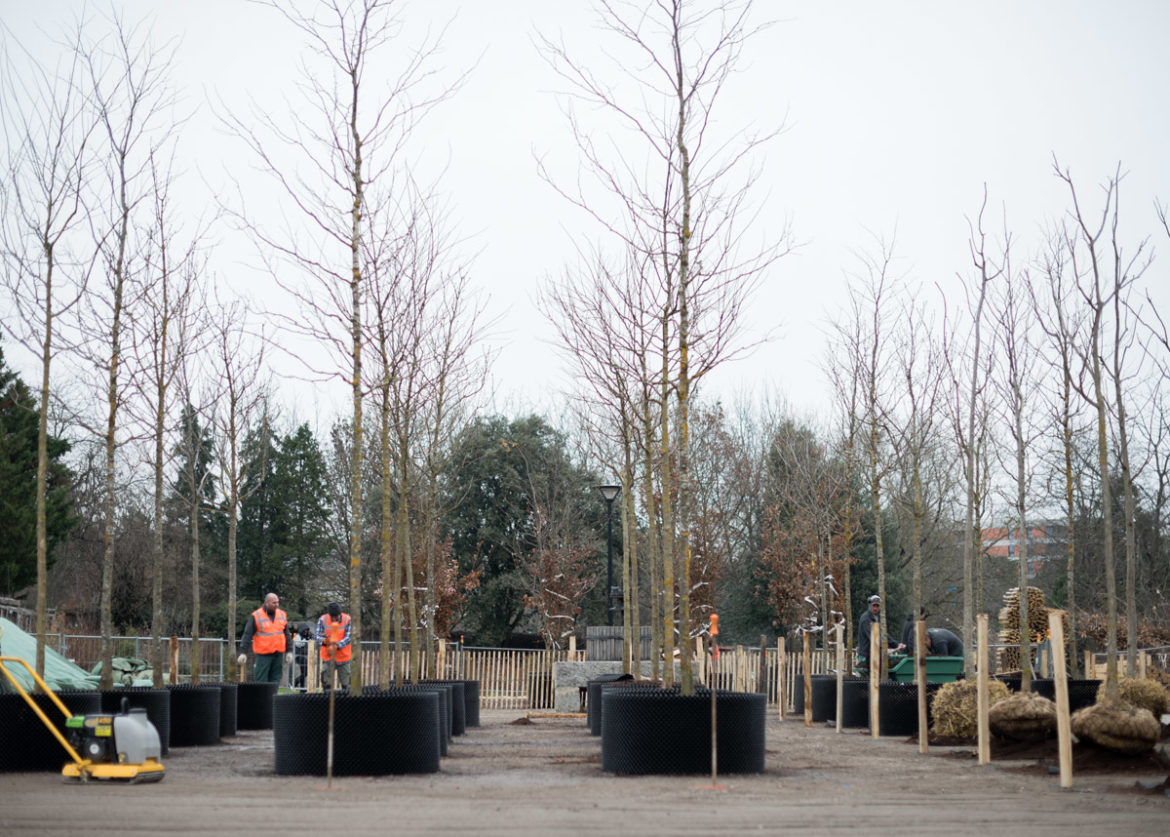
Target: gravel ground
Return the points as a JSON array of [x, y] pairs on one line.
[[521, 774]]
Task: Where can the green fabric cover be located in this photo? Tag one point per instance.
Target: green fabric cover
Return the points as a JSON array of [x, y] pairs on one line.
[[59, 672]]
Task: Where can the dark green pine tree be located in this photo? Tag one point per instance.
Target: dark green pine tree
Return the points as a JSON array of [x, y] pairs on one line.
[[498, 467], [18, 479], [301, 502], [254, 537]]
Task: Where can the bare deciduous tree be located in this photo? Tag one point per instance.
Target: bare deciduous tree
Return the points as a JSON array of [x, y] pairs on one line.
[[47, 128]]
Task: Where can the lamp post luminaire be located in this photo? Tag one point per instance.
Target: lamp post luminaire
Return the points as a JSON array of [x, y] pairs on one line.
[[609, 493]]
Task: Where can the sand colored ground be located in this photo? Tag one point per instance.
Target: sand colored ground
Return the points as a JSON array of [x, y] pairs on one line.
[[544, 777]]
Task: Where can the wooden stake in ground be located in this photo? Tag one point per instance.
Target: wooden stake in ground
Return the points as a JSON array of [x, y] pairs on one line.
[[1063, 729], [875, 668], [807, 661], [714, 690], [920, 679], [332, 705], [840, 670], [982, 660], [781, 680], [174, 660]]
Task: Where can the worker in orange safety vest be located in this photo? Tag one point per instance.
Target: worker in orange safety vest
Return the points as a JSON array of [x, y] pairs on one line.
[[267, 631], [333, 633]]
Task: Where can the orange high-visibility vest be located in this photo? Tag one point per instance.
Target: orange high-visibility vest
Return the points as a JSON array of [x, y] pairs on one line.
[[269, 636], [335, 633]]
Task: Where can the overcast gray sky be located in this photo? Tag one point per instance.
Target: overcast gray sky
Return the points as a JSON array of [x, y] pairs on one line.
[[897, 114]]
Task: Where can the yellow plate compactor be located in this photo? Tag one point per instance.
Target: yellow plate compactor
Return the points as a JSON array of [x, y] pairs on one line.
[[122, 746]]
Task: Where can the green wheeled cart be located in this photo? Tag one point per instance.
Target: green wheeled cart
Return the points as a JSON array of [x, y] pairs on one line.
[[938, 669]]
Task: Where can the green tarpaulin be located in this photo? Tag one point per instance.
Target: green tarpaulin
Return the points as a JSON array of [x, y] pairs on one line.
[[59, 672]]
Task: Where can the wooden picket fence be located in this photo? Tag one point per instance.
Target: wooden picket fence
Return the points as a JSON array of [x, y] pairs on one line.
[[523, 678]]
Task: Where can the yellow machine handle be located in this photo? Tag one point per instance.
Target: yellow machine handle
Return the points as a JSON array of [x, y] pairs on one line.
[[32, 704]]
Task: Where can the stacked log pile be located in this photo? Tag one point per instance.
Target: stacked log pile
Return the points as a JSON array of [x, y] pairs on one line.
[[1009, 624]]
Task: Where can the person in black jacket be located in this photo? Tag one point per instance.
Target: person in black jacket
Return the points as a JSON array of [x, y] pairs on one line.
[[943, 643], [865, 624]]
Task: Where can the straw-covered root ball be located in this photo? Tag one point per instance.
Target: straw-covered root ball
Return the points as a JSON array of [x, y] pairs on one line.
[[1118, 727], [956, 707], [1024, 717], [1141, 692]]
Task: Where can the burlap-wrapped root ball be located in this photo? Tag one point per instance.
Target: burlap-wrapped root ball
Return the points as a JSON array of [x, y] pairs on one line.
[[1140, 692], [956, 707], [1026, 716], [1118, 727]]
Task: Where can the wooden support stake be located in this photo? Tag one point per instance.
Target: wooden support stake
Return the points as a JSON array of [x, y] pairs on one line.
[[1142, 655], [1090, 668], [920, 678], [840, 671], [807, 660], [1063, 727], [174, 660], [875, 669], [982, 661], [781, 679], [1044, 663]]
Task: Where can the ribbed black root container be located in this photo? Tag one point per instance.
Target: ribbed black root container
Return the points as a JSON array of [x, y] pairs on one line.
[[654, 731], [228, 695], [387, 733], [25, 742], [254, 705], [458, 703], [444, 717], [156, 702], [471, 695], [898, 707], [855, 704], [824, 697], [593, 691], [194, 715]]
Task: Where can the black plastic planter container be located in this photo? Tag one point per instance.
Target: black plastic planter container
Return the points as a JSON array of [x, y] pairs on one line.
[[228, 695], [458, 703], [652, 731], [387, 733], [254, 705], [156, 702], [25, 742], [443, 719], [824, 697], [471, 697], [898, 707], [194, 715], [855, 704]]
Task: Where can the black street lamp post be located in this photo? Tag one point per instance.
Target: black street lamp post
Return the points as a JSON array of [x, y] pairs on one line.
[[609, 493]]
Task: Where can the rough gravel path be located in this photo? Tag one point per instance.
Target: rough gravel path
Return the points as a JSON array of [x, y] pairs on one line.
[[544, 777]]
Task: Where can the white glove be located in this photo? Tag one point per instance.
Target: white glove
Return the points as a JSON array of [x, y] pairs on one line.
[[288, 658], [243, 658]]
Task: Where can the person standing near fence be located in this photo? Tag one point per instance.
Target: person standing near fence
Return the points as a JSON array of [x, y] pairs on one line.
[[267, 632], [333, 633]]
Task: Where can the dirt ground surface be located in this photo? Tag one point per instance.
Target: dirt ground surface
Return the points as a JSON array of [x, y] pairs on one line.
[[543, 776]]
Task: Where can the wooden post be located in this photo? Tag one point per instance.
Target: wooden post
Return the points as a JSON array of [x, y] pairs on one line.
[[781, 684], [1090, 668], [840, 670], [1044, 663], [982, 661], [762, 668], [1063, 728], [807, 682], [1142, 661], [174, 660], [875, 670], [920, 678], [572, 646]]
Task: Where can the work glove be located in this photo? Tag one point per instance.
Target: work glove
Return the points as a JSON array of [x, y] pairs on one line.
[[243, 658], [288, 657]]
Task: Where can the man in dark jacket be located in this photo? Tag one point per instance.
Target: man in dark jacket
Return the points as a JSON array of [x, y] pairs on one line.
[[867, 622], [943, 643]]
